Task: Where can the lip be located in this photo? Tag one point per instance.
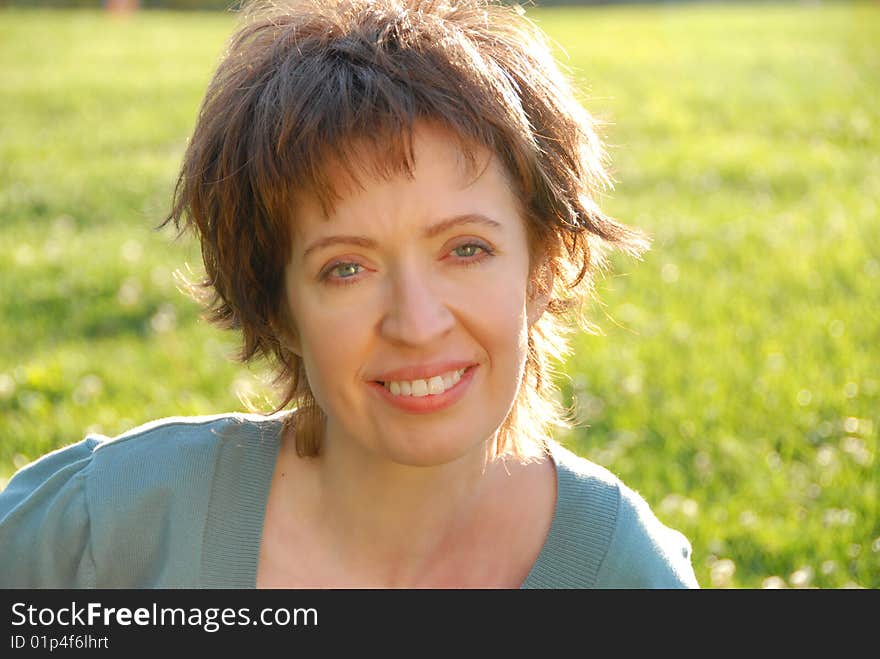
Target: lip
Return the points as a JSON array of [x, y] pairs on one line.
[[431, 402], [422, 371]]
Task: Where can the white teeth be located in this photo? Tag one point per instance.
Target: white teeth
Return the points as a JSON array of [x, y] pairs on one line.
[[433, 386]]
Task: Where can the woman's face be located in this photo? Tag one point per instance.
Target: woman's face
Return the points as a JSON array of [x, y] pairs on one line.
[[414, 286]]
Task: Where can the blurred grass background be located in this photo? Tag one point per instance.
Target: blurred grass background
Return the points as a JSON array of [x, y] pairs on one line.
[[736, 385]]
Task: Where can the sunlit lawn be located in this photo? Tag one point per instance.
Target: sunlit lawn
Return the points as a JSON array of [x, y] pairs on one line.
[[737, 383]]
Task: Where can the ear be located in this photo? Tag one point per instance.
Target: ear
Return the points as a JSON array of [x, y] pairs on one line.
[[538, 292]]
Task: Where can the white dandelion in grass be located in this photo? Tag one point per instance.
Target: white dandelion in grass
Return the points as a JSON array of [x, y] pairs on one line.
[[669, 273], [63, 226], [676, 504], [773, 583], [19, 460], [774, 461], [825, 455], [748, 518], [802, 577], [161, 277], [632, 384], [775, 361], [721, 573], [838, 517], [164, 320], [131, 251], [129, 293], [24, 254], [87, 389], [857, 450], [836, 328], [53, 250], [7, 386]]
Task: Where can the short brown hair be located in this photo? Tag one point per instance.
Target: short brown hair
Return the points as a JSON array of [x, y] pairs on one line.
[[304, 82]]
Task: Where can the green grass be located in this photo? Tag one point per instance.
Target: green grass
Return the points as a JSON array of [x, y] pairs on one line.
[[736, 385]]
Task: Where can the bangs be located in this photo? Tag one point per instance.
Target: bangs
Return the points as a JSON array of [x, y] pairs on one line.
[[333, 168], [331, 112]]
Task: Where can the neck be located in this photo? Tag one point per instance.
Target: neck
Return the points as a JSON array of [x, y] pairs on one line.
[[400, 524]]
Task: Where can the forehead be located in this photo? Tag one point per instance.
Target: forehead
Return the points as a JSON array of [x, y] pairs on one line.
[[432, 163]]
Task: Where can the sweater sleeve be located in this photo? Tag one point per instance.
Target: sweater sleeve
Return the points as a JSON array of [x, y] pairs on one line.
[[644, 553], [44, 522]]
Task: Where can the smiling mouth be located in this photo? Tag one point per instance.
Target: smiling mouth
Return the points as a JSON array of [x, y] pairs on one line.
[[432, 386]]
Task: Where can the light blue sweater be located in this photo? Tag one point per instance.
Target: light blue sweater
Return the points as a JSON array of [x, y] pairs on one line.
[[180, 502]]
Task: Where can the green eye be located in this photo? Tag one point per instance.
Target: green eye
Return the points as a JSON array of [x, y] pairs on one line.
[[470, 248], [346, 270]]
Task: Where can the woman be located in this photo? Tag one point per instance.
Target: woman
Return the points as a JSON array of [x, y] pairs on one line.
[[396, 205]]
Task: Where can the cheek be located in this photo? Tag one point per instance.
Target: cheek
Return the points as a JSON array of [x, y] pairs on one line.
[[327, 341], [337, 344], [507, 325], [498, 322]]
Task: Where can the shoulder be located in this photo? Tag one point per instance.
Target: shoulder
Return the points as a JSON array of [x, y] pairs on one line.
[[176, 452], [171, 459], [644, 552], [100, 511], [43, 509], [620, 542], [155, 491]]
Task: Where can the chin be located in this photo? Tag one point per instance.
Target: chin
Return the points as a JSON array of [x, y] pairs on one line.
[[434, 452]]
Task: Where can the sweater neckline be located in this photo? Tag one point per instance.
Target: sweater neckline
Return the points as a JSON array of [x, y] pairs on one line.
[[243, 474]]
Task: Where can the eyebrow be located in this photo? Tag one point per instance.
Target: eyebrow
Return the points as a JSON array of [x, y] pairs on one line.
[[430, 232]]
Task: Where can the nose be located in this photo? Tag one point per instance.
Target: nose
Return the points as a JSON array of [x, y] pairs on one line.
[[416, 313]]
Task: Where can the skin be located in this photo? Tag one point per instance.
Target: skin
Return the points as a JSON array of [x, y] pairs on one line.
[[397, 499]]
